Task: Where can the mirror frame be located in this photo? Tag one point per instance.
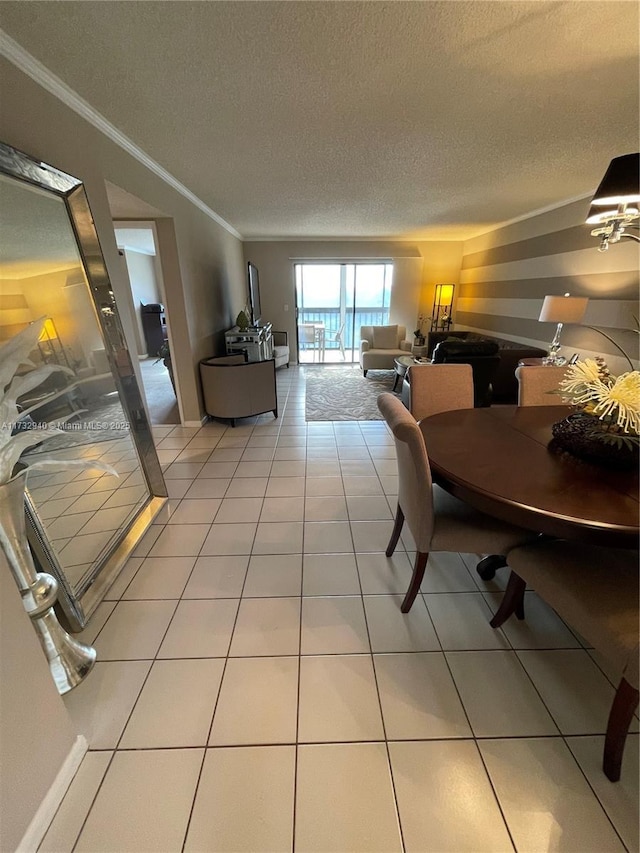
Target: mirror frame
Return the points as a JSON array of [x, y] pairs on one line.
[[78, 604]]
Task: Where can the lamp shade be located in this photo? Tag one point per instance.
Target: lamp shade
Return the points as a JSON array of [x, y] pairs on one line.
[[563, 309], [621, 182], [602, 215], [444, 294], [49, 331]]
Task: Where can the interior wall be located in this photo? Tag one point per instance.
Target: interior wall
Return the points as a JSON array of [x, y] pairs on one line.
[[37, 733], [418, 266], [144, 289], [507, 273], [202, 262]]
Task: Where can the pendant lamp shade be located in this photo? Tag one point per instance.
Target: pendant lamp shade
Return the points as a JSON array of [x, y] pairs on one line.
[[615, 207], [621, 182]]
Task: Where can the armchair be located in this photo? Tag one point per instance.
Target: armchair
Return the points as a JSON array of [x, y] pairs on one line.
[[280, 348], [381, 345], [234, 388]]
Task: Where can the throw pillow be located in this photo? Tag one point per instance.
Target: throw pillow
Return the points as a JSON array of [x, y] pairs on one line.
[[385, 337]]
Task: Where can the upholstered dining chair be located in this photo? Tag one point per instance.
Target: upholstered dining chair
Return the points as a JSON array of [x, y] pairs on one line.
[[536, 381], [428, 389], [483, 358], [437, 520], [595, 590]]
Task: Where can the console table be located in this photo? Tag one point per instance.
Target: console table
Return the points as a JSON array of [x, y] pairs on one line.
[[256, 341]]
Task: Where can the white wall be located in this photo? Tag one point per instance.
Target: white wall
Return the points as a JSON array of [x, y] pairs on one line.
[[37, 733], [144, 288]]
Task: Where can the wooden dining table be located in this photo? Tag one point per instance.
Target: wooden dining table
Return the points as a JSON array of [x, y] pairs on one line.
[[502, 461]]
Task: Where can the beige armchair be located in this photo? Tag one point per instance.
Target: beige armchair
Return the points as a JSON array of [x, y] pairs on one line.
[[234, 388], [281, 348], [381, 345]]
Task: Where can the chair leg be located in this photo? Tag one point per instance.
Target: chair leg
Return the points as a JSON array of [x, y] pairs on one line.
[[620, 716], [512, 601], [395, 533], [364, 372], [418, 573]]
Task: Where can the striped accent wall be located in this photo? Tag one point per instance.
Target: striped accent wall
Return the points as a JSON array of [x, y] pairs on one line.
[[507, 273], [15, 313]]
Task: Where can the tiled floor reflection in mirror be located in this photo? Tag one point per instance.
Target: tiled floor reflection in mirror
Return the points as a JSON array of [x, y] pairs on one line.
[[258, 688], [81, 510]]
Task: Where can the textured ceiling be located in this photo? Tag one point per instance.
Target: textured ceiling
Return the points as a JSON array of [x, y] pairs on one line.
[[356, 119], [37, 237]]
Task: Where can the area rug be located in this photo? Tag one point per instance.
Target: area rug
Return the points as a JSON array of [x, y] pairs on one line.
[[344, 394]]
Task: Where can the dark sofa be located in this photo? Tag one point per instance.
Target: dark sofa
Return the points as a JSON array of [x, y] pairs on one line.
[[504, 382]]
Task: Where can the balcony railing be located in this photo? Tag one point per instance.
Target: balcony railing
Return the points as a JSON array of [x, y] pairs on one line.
[[330, 317]]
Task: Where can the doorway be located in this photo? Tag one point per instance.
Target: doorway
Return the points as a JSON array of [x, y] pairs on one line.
[[333, 300], [137, 245]]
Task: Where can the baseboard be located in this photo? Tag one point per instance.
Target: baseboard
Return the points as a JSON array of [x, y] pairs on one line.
[[198, 424], [38, 827]]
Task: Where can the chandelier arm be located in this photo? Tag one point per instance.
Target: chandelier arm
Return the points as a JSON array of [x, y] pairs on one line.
[[631, 237]]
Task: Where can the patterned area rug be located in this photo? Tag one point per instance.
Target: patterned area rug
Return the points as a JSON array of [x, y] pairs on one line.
[[344, 394]]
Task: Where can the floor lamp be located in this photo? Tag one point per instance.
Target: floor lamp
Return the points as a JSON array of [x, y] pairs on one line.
[[442, 307]]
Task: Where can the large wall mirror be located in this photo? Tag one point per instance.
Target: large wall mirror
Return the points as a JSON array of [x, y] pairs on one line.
[[83, 524]]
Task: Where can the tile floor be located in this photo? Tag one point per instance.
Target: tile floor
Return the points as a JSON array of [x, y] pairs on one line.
[[259, 690]]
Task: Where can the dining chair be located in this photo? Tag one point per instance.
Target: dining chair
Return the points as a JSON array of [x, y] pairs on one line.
[[437, 521], [595, 590], [483, 358], [428, 389], [535, 382]]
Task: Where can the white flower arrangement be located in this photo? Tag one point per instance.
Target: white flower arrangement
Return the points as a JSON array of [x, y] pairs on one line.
[[614, 400], [13, 355]]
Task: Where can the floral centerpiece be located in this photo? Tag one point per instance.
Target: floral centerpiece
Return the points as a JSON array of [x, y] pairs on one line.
[[606, 424], [69, 660]]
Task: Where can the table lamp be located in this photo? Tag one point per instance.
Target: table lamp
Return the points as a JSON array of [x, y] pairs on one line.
[[561, 310]]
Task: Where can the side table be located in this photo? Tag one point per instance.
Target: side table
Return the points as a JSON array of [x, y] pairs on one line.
[[402, 364], [419, 351]]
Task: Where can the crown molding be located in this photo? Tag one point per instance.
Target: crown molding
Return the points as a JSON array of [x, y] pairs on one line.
[[538, 212], [22, 59]]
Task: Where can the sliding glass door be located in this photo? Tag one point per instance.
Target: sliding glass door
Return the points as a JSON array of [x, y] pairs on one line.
[[332, 301]]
